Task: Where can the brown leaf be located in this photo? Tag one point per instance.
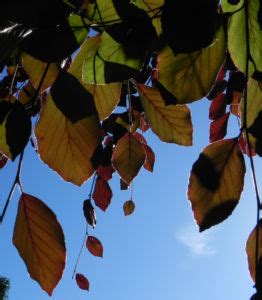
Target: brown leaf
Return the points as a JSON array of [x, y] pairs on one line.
[[82, 282], [128, 207], [251, 249], [94, 246], [128, 157], [40, 242], [150, 159], [216, 182], [102, 194]]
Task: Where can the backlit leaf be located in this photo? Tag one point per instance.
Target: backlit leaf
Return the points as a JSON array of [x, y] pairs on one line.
[[171, 123], [216, 182], [102, 194], [105, 172], [65, 146], [189, 77], [35, 69], [217, 107], [128, 157], [237, 43], [150, 159], [82, 281], [106, 96], [40, 242], [251, 249], [129, 207], [218, 128], [94, 246]]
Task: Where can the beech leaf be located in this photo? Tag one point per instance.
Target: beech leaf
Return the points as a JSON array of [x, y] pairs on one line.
[[94, 246], [218, 128], [216, 182], [40, 242], [129, 207], [128, 157], [150, 159], [102, 194], [89, 213], [82, 281]]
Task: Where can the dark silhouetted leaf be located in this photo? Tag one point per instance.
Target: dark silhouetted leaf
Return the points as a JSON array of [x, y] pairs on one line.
[[217, 89], [82, 281], [94, 246], [40, 242], [89, 213], [129, 207], [216, 182], [4, 288], [102, 194]]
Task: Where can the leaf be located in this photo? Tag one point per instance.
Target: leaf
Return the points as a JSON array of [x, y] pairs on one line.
[[40, 242], [79, 27], [128, 207], [108, 63], [254, 114], [237, 44], [15, 128], [189, 77], [102, 194], [65, 146], [4, 288], [251, 250], [150, 159], [218, 128], [94, 246], [128, 157], [217, 107], [105, 172], [216, 182], [82, 281], [35, 69], [89, 213], [171, 123], [106, 96], [3, 162]]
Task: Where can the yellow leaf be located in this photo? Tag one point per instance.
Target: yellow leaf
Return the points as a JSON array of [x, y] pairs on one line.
[[129, 207], [106, 96], [40, 242], [171, 123], [128, 157], [35, 69], [189, 77], [251, 249], [65, 146], [237, 44], [216, 182]]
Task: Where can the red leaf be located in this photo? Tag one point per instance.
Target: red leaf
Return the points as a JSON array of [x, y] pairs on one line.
[[218, 128], [221, 74], [150, 159], [143, 124], [217, 89], [94, 246], [105, 172], [102, 194], [244, 147], [82, 282], [217, 107], [140, 137]]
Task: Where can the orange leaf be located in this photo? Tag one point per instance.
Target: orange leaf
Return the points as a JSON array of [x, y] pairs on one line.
[[251, 249], [129, 207], [150, 159], [216, 182], [128, 157], [82, 282], [102, 194], [40, 242], [94, 246]]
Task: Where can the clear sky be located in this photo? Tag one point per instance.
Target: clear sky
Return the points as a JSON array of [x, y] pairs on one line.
[[157, 253]]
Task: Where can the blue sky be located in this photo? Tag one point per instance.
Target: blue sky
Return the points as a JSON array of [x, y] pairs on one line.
[[157, 253]]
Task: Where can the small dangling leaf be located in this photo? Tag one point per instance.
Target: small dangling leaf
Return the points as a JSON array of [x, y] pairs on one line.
[[94, 246], [89, 213], [82, 282], [129, 207], [150, 159]]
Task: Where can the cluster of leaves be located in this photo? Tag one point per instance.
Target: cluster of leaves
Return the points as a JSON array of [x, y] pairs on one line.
[[97, 75]]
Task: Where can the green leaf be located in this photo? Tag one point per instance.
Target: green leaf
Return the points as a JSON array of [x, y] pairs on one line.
[[216, 182]]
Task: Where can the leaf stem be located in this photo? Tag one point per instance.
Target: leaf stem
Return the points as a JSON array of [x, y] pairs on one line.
[[17, 181]]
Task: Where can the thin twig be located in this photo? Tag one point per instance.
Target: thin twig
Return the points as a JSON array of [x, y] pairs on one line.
[[16, 182]]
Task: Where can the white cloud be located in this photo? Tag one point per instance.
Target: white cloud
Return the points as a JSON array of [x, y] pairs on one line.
[[198, 243]]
